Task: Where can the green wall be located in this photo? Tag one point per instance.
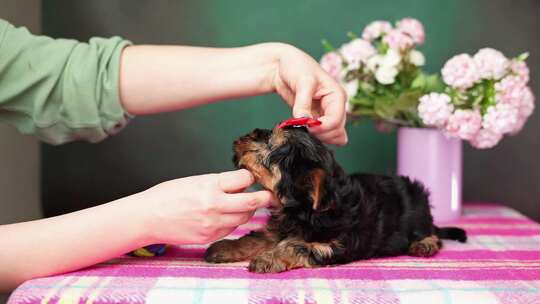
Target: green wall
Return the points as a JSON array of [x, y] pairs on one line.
[[303, 24], [161, 147]]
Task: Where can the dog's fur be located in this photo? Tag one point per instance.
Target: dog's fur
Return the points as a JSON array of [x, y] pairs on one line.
[[325, 216]]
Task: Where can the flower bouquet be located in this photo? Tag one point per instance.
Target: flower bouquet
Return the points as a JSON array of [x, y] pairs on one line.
[[486, 96], [477, 98]]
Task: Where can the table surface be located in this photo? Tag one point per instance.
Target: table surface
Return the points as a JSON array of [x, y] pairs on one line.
[[499, 264]]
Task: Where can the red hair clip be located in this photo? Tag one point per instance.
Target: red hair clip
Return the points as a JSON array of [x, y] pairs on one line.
[[299, 122]]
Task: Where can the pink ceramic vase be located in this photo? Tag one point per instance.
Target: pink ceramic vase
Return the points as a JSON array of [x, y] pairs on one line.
[[435, 160]]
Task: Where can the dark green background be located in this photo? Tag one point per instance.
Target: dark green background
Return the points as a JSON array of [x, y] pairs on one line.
[[166, 146]]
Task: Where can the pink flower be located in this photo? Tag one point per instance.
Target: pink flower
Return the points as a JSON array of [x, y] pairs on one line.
[[398, 40], [460, 72], [527, 103], [520, 69], [485, 139], [376, 29], [491, 63], [434, 109], [357, 51], [464, 124], [509, 90], [525, 109], [413, 28], [501, 118], [519, 125], [332, 64]]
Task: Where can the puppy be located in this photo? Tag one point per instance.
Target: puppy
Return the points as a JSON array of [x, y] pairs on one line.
[[326, 217]]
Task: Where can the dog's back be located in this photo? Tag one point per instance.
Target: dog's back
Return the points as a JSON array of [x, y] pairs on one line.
[[400, 213]]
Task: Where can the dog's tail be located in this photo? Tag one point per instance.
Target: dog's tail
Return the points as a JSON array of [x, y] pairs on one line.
[[451, 233]]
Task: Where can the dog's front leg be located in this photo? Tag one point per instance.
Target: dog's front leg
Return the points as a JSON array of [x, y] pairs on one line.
[[244, 248], [294, 253]]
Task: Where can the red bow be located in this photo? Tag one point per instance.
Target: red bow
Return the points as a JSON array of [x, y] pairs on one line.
[[299, 122]]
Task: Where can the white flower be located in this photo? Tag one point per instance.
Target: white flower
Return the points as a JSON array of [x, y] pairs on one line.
[[374, 62], [385, 66], [351, 88], [417, 58], [392, 58], [348, 106], [386, 74]]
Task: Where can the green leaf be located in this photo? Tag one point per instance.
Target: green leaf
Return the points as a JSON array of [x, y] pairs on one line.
[[363, 101], [381, 47], [328, 47], [365, 112], [385, 109], [434, 84], [408, 101], [477, 101], [419, 82], [522, 57], [352, 35], [366, 87], [489, 96]]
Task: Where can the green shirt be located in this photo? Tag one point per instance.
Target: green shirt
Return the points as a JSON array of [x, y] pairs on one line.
[[59, 89]]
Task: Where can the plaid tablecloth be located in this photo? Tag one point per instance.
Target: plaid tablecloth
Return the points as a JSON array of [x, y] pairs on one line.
[[499, 264]]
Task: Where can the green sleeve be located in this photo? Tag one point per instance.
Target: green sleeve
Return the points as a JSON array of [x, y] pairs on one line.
[[59, 89]]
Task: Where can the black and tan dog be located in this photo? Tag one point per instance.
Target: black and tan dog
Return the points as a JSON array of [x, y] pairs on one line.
[[325, 216]]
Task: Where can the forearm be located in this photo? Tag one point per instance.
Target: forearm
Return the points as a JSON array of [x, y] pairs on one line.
[[69, 242], [168, 78]]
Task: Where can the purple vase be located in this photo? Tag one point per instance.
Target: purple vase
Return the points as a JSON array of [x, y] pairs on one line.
[[430, 157]]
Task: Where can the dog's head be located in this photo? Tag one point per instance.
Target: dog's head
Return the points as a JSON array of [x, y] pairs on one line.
[[291, 163]]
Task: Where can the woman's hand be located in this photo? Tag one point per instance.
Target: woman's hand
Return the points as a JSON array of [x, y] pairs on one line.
[[200, 209], [310, 91], [192, 210], [170, 78]]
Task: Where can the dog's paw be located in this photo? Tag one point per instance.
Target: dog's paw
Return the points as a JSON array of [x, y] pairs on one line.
[[266, 263], [424, 248], [221, 252]]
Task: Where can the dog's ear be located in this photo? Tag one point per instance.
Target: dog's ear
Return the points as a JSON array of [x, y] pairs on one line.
[[319, 197]]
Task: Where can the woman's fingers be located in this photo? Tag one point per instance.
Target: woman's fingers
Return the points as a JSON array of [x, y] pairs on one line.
[[332, 105], [333, 111], [245, 202], [305, 90], [286, 93], [336, 137], [221, 233], [233, 220], [235, 181]]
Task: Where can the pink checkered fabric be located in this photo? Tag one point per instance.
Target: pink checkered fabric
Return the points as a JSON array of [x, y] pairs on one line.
[[499, 264]]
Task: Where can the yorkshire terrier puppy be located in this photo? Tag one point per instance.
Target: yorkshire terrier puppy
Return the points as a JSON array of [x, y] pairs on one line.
[[326, 217]]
